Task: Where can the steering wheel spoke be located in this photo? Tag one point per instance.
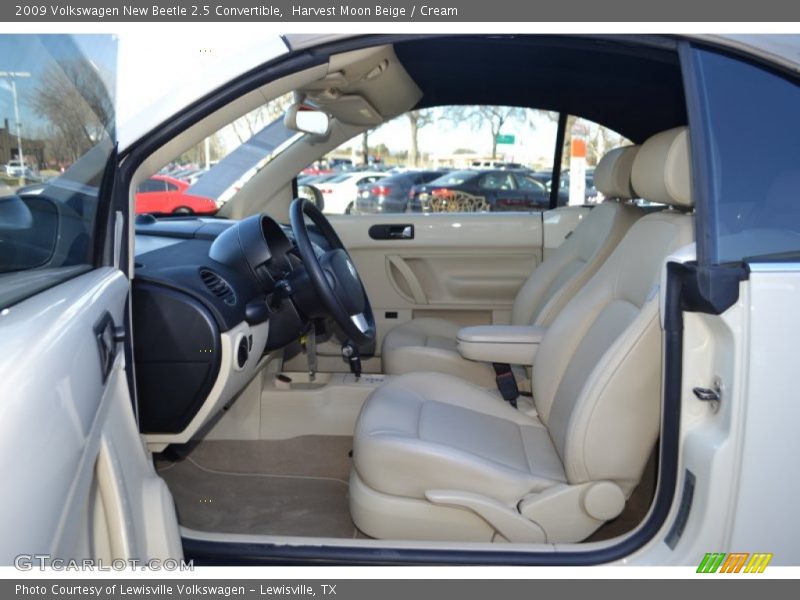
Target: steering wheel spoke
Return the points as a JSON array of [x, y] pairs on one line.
[[360, 321]]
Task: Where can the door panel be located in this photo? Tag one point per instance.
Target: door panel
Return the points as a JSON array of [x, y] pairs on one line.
[[57, 411], [463, 267], [491, 277]]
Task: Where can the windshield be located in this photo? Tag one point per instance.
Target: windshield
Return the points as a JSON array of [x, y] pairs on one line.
[[57, 135]]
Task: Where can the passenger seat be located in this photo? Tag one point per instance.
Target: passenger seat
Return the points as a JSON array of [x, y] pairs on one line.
[[429, 344]]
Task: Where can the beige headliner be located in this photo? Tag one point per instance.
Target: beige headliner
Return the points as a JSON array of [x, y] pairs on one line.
[[342, 87]]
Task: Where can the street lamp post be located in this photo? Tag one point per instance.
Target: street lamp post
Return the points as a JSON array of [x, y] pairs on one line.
[[13, 76]]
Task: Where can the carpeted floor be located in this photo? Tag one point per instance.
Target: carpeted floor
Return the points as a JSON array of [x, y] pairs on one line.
[[298, 487], [286, 487]]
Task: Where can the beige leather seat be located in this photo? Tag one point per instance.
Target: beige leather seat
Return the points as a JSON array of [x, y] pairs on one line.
[[436, 457], [430, 344]]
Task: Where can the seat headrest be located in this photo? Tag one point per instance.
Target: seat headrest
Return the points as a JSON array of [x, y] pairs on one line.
[[661, 169], [612, 176]]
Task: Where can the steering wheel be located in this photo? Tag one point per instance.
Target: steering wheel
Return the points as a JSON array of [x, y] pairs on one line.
[[333, 275]]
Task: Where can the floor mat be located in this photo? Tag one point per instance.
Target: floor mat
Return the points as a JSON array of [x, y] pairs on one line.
[[288, 487]]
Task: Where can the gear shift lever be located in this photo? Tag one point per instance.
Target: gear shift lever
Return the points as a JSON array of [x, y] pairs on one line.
[[353, 357]]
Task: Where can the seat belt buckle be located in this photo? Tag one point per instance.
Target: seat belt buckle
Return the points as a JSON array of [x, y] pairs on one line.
[[506, 383]]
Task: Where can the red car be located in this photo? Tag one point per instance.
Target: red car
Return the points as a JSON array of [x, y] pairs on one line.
[[163, 194]]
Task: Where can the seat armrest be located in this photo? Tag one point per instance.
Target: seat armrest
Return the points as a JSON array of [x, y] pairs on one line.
[[512, 344]]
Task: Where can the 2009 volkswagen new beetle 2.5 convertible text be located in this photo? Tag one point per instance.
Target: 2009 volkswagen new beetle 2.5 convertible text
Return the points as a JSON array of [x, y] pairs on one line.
[[608, 380]]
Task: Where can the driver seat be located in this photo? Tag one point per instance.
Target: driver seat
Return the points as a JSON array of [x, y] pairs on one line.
[[430, 344], [436, 457]]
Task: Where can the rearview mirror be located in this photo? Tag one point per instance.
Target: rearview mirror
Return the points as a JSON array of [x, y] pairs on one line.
[[306, 119], [312, 193]]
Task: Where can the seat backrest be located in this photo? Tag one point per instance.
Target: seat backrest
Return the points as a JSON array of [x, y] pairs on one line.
[[597, 374], [573, 263]]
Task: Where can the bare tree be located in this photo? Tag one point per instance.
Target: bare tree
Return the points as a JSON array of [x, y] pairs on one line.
[[417, 119], [494, 116], [197, 154], [73, 98], [599, 139], [248, 125]]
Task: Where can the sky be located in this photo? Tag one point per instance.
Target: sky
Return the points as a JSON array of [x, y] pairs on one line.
[[533, 139]]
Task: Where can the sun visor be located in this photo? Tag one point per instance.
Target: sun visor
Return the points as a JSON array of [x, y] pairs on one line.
[[351, 109]]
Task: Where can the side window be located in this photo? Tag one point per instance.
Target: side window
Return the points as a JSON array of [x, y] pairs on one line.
[[585, 143], [170, 187], [749, 123], [461, 159], [528, 184], [497, 181], [53, 156], [151, 185]]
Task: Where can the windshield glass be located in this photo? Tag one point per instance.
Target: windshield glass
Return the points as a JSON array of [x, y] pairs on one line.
[[57, 133]]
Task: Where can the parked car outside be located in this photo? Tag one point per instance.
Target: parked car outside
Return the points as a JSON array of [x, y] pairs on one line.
[[495, 164], [390, 195], [316, 179], [340, 192], [480, 191], [15, 168], [163, 194]]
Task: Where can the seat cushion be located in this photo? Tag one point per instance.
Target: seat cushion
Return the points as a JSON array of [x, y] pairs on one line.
[[425, 431], [430, 345]]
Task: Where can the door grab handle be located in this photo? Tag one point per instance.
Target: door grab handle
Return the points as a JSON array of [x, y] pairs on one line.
[[411, 280], [390, 231], [108, 337]]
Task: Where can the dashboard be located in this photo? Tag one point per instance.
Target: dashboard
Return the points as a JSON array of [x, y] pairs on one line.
[[211, 298]]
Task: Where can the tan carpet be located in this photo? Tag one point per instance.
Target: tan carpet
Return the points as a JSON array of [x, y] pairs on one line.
[[287, 487], [299, 487]]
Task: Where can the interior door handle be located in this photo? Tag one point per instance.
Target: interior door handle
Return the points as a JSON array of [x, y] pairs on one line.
[[108, 337], [391, 231]]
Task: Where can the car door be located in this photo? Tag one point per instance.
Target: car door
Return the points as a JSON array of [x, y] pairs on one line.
[[739, 324], [76, 481]]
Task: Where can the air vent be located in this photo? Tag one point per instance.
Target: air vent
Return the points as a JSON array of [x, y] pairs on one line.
[[218, 286]]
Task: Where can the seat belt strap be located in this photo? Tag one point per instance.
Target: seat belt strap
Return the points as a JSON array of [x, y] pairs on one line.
[[506, 383]]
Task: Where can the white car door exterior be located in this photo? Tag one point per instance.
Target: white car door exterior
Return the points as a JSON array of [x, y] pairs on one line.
[[77, 482]]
